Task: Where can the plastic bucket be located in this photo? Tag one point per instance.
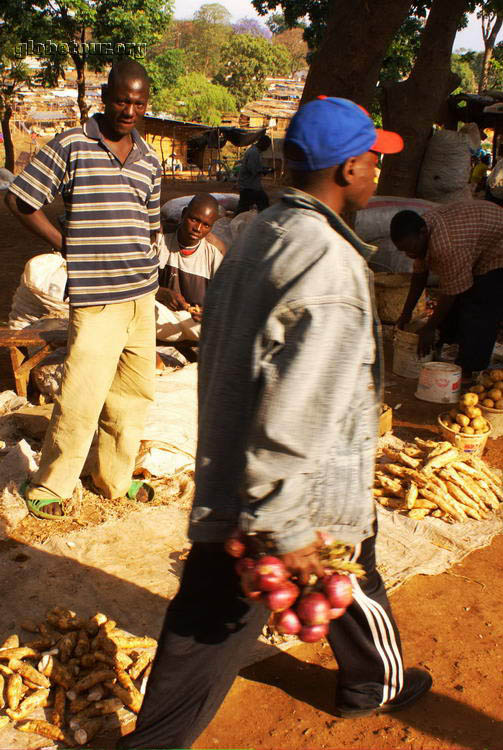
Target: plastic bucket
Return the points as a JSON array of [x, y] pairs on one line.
[[495, 419], [472, 444], [405, 360], [439, 382]]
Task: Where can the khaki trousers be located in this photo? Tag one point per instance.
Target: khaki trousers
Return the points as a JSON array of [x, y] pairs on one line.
[[108, 382]]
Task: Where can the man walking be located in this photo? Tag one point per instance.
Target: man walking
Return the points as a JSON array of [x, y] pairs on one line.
[[251, 191], [110, 182], [290, 382]]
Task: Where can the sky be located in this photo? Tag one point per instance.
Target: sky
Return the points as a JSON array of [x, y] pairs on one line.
[[469, 38]]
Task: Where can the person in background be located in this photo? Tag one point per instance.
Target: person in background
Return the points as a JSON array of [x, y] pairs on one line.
[[187, 263], [479, 173], [251, 192], [463, 244], [110, 180], [290, 383]]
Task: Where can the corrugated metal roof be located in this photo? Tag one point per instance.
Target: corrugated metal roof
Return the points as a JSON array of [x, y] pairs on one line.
[[49, 115]]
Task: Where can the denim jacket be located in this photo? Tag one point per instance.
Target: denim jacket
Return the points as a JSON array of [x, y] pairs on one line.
[[289, 382]]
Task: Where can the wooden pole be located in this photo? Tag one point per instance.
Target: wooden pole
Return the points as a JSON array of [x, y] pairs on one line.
[[173, 153], [273, 156]]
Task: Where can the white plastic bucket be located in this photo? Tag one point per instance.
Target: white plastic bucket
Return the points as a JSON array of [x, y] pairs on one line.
[[439, 382], [405, 360], [495, 419]]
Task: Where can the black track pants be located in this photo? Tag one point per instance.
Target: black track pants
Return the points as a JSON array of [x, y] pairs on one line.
[[210, 629]]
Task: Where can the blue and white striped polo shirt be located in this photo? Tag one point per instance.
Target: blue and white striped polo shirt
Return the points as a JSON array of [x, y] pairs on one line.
[[110, 211]]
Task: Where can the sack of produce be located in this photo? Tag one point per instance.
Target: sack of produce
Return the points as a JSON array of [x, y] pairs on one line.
[[372, 225], [446, 168], [41, 291]]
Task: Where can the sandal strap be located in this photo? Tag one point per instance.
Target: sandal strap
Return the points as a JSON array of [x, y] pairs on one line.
[[42, 502], [136, 485]]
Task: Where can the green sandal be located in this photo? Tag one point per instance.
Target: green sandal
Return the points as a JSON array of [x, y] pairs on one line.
[[36, 506], [136, 486]]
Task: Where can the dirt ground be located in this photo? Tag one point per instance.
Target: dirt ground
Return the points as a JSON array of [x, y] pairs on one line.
[[450, 624]]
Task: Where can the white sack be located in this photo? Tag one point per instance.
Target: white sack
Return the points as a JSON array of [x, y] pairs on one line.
[[6, 177], [172, 209], [372, 225], [446, 168], [41, 291]]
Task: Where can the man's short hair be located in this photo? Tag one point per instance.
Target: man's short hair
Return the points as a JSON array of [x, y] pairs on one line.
[[127, 69], [205, 199], [405, 223], [264, 142]]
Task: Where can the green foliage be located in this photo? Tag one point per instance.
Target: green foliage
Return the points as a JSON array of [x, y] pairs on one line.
[[402, 52], [165, 69], [276, 23], [293, 40], [92, 33], [246, 61], [195, 98], [14, 74], [209, 32], [475, 61], [214, 13], [316, 12], [460, 64]]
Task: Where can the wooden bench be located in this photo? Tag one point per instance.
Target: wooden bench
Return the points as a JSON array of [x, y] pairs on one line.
[[18, 341]]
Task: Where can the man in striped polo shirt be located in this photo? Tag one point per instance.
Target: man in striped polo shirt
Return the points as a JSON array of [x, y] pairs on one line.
[[110, 181]]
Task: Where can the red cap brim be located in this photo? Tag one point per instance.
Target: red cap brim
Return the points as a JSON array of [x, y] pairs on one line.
[[387, 142]]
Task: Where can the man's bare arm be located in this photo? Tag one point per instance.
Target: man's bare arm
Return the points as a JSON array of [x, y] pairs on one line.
[[35, 220]]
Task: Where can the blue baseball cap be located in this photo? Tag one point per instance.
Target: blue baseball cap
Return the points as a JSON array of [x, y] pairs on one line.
[[330, 130]]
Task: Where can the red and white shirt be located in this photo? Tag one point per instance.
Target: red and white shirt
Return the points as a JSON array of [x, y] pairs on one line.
[[187, 273]]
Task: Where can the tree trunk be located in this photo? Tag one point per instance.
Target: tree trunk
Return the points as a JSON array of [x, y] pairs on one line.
[[7, 139], [411, 107], [80, 69], [347, 64], [490, 34]]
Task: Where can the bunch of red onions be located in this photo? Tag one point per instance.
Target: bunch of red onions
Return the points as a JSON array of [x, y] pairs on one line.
[[306, 614]]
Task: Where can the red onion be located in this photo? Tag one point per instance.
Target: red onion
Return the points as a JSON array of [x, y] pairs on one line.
[[234, 547], [287, 622], [269, 565], [336, 612], [339, 590], [248, 584], [281, 598], [313, 609], [313, 633], [269, 581], [244, 564]]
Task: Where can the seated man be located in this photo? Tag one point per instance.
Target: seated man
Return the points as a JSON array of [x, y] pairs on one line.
[[187, 263]]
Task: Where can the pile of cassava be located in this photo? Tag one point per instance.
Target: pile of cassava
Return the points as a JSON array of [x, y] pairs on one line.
[[428, 478], [88, 675]]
